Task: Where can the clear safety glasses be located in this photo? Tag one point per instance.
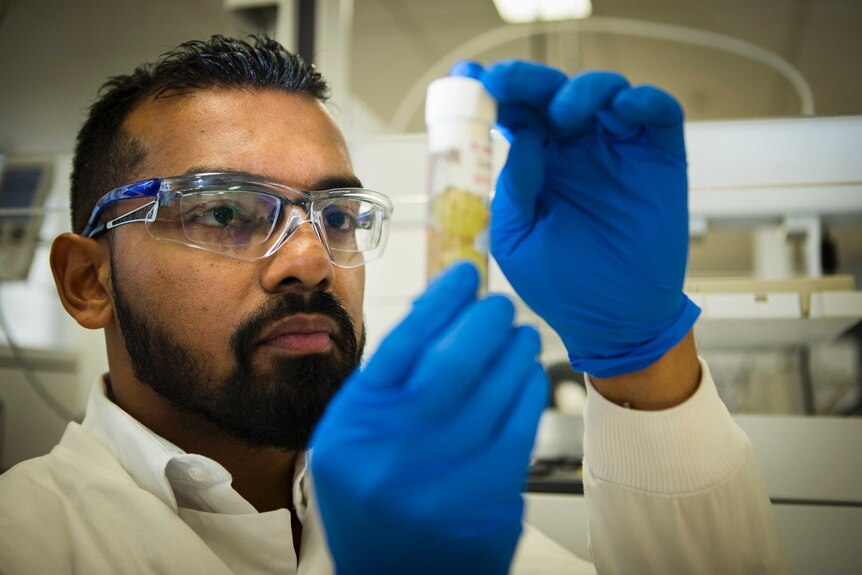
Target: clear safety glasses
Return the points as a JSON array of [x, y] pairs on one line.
[[249, 218]]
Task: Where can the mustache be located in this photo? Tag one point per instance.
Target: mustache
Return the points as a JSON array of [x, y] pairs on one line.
[[291, 303]]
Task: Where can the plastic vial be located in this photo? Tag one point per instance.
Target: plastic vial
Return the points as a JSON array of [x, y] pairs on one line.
[[459, 114]]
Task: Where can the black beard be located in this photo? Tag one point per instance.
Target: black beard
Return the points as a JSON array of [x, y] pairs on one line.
[[278, 408]]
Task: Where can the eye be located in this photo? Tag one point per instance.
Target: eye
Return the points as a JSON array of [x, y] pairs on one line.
[[223, 215], [338, 219]]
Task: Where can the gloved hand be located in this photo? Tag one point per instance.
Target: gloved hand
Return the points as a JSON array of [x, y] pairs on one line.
[[420, 460], [590, 218]]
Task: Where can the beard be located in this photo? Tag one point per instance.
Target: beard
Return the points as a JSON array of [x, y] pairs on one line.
[[276, 407]]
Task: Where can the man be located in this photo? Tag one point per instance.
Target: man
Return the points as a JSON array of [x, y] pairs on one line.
[[219, 240]]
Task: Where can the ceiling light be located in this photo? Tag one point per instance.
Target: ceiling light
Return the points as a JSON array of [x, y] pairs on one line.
[[519, 11]]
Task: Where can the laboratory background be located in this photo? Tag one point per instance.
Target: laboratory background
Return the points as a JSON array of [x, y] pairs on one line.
[[772, 91]]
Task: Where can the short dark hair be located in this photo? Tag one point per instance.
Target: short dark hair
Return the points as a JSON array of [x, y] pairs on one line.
[[107, 157]]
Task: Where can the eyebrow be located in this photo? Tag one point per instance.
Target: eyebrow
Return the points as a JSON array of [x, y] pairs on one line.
[[334, 181]]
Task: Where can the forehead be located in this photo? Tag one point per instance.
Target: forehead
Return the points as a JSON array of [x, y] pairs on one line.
[[287, 137]]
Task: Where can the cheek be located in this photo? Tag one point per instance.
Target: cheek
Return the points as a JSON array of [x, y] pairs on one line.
[[351, 290], [191, 299], [212, 296]]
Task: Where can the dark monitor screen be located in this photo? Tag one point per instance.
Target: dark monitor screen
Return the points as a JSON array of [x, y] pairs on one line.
[[23, 187], [19, 189]]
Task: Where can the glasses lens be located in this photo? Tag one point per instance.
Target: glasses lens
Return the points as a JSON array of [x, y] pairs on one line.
[[248, 225], [351, 226], [232, 222], [233, 219]]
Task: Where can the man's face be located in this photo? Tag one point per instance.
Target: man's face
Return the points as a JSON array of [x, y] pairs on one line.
[[258, 348]]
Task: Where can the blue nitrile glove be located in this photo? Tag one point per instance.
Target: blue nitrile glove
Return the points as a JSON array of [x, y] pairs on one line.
[[590, 219], [420, 460]]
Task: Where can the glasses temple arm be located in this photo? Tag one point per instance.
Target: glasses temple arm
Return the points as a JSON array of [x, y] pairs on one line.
[[137, 190]]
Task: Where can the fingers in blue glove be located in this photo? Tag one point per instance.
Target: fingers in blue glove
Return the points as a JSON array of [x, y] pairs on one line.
[[575, 104], [477, 416], [521, 82], [467, 68], [443, 300], [436, 461], [509, 442], [460, 357], [517, 432], [513, 209], [506, 393], [659, 112], [523, 91], [517, 109]]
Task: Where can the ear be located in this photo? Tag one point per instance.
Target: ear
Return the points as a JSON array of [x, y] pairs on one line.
[[81, 268]]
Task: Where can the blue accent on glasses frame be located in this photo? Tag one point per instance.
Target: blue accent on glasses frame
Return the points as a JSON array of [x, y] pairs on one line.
[[135, 191]]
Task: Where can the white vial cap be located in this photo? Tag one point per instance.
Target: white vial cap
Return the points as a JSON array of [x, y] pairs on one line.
[[459, 98]]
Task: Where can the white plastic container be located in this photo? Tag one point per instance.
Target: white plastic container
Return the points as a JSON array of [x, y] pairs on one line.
[[459, 114]]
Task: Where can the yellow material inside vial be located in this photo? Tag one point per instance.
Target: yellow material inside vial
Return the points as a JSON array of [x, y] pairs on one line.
[[459, 216], [460, 213]]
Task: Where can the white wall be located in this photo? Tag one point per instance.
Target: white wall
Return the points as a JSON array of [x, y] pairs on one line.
[[54, 55]]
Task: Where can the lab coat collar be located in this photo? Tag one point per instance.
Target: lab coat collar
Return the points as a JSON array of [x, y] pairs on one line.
[[177, 478]]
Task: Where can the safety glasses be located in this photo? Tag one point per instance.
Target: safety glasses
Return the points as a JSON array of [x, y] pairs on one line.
[[249, 218]]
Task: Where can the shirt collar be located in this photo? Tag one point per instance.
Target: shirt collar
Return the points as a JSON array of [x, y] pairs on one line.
[[177, 478]]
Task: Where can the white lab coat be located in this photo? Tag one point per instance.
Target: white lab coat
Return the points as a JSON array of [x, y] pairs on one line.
[[667, 492]]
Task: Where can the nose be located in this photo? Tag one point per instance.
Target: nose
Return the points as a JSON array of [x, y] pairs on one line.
[[302, 262]]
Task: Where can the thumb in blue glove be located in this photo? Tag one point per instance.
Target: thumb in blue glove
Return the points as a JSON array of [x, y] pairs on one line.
[[419, 461], [590, 219]]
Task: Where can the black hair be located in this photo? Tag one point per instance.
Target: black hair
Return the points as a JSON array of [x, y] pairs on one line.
[[106, 156]]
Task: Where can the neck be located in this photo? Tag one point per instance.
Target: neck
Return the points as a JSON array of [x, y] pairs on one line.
[[262, 475]]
